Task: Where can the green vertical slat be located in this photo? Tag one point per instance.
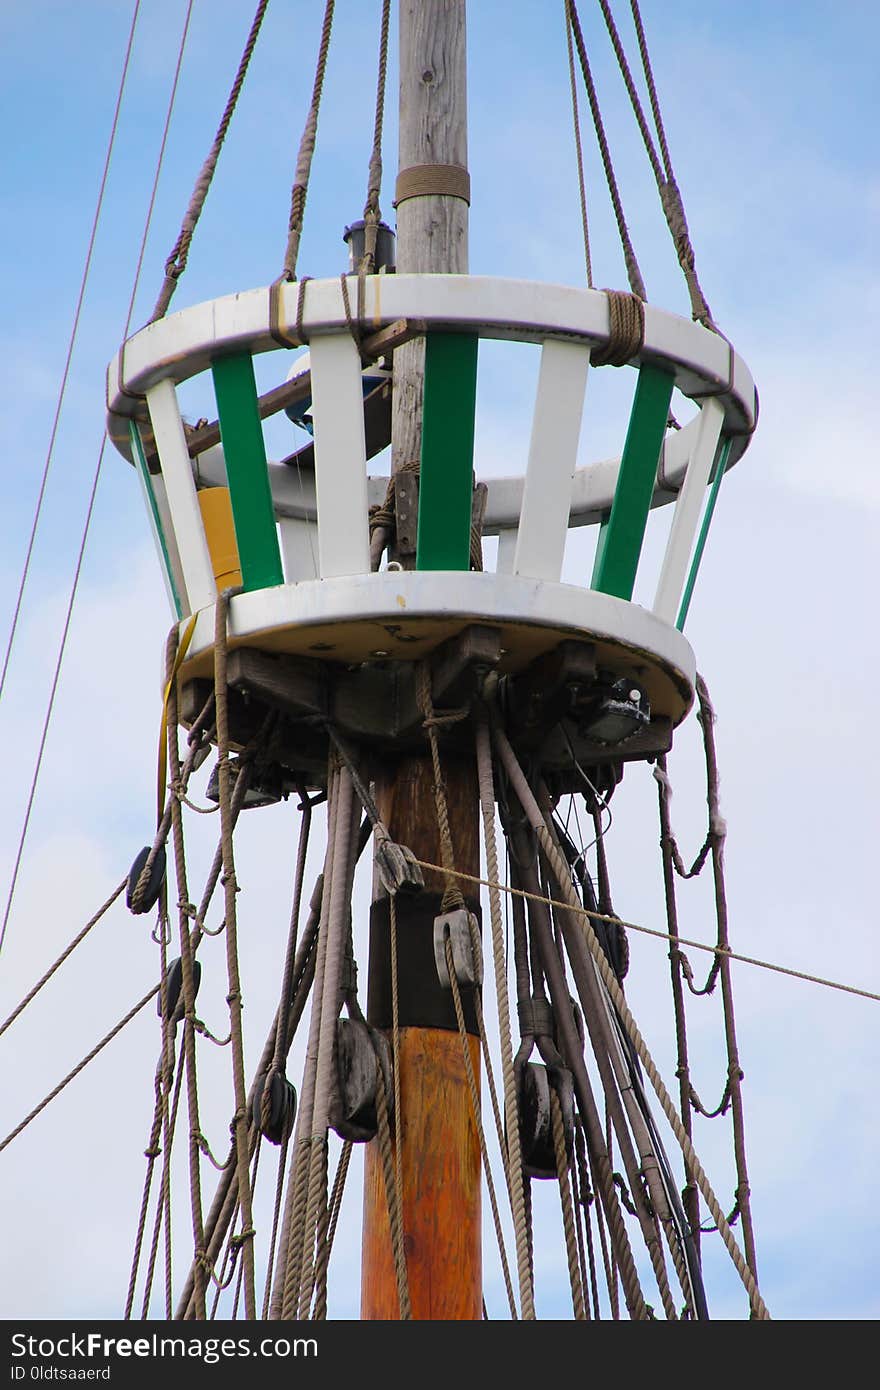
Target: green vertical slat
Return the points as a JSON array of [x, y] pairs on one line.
[[621, 535], [246, 472], [137, 449], [446, 481], [720, 468]]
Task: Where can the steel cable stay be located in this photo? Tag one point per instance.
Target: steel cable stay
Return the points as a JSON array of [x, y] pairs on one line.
[[74, 585], [71, 344]]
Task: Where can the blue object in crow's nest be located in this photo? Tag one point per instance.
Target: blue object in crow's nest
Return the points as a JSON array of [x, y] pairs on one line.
[[300, 412]]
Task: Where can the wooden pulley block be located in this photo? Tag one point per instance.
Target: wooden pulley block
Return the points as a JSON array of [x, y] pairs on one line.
[[174, 989], [535, 1118], [154, 882], [353, 1113], [282, 1107]]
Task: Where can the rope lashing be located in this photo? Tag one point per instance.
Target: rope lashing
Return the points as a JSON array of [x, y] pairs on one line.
[[626, 336], [433, 180]]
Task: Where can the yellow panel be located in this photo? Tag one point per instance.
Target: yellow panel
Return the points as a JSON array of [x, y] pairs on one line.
[[220, 535]]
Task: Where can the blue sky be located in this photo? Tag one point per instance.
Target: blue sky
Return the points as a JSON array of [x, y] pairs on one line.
[[771, 111]]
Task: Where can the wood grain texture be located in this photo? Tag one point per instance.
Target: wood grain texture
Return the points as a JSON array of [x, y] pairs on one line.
[[441, 1197], [432, 231]]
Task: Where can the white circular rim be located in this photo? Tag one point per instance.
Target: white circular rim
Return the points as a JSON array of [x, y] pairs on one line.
[[185, 343]]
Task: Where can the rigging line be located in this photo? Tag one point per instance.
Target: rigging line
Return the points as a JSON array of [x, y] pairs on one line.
[[522, 791], [188, 986], [306, 150], [734, 1073], [578, 149], [233, 997], [164, 1073], [478, 1122], [651, 931], [70, 346], [79, 1067], [634, 274], [91, 505], [372, 211], [176, 262], [19, 1008], [670, 195], [512, 1147]]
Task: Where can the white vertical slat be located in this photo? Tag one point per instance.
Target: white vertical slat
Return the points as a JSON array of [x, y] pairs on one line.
[[340, 456], [186, 516], [556, 427], [687, 511], [506, 551], [299, 548]]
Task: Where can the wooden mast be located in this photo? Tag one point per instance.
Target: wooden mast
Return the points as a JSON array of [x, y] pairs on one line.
[[440, 1154]]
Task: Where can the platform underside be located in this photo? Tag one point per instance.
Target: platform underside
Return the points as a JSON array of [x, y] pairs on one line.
[[406, 616]]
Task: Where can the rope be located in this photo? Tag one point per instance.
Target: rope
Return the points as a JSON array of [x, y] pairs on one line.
[[585, 912], [475, 1106], [338, 1190], [276, 1217], [734, 1072], [70, 346], [576, 123], [557, 862], [610, 1273], [290, 956], [690, 1196], [626, 330], [151, 1153], [452, 897], [221, 695], [322, 1250], [337, 924], [164, 1074], [372, 212], [579, 1217], [79, 1067], [584, 1197], [512, 1148], [224, 1205], [187, 977], [163, 1206], [393, 1196], [286, 1292], [195, 737], [562, 1166], [306, 150], [567, 1043], [44, 979], [634, 275], [175, 265], [613, 1076], [670, 196], [91, 504]]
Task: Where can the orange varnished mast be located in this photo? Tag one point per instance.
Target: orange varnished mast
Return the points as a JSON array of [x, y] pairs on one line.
[[440, 1153]]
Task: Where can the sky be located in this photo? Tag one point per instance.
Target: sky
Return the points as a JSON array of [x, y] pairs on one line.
[[771, 110]]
